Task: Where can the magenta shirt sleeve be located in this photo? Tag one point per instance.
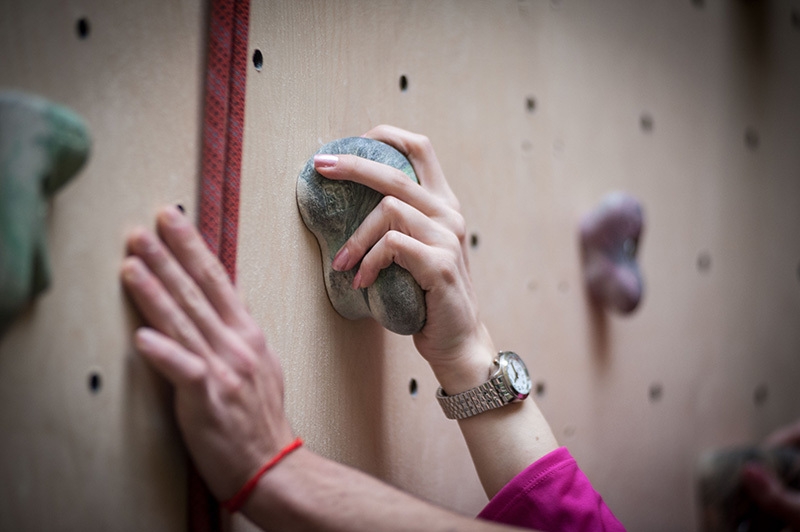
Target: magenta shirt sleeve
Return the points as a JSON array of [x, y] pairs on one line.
[[552, 494]]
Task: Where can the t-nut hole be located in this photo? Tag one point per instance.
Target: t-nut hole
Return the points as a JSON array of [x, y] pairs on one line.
[[403, 83], [473, 240], [704, 262], [646, 122], [656, 392], [83, 28], [258, 60], [95, 382], [760, 394], [413, 387], [751, 138]]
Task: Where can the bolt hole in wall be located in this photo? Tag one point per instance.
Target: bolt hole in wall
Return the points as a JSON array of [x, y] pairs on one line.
[[656, 392], [95, 382], [796, 19], [646, 122], [473, 240], [82, 28], [258, 60], [698, 3], [530, 104], [703, 262], [539, 389], [751, 138], [403, 83], [760, 394], [413, 387]]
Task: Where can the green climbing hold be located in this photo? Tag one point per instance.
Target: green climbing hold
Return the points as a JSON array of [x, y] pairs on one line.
[[42, 147]]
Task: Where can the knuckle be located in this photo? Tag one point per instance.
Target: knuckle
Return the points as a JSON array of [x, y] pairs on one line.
[[447, 268], [394, 239], [183, 332], [390, 207], [191, 297], [459, 227], [246, 362], [420, 145], [228, 383], [455, 242], [254, 337], [199, 375], [212, 273]]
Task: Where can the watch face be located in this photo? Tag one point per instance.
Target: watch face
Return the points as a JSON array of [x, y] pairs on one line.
[[517, 375]]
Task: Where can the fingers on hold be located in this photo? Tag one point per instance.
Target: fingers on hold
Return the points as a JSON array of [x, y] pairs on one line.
[[388, 215], [408, 143], [769, 492], [426, 263], [169, 358], [390, 248]]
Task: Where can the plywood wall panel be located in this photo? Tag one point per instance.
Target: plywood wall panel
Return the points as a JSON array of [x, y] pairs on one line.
[[636, 399], [110, 459], [710, 359]]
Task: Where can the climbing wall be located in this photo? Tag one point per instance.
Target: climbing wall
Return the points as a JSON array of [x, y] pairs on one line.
[[87, 439], [536, 109]]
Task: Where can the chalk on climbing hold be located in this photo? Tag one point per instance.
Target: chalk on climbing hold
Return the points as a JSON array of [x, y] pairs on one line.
[[333, 210], [42, 147], [609, 241]]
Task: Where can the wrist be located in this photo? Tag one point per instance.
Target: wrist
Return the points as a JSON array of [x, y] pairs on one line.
[[234, 503], [276, 493], [467, 368]]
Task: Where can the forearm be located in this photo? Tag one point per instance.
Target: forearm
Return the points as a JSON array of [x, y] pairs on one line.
[[309, 492], [504, 441]]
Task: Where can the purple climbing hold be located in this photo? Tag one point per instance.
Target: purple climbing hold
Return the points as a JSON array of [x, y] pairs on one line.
[[609, 240]]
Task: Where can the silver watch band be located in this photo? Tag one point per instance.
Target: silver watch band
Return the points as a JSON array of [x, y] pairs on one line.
[[474, 401]]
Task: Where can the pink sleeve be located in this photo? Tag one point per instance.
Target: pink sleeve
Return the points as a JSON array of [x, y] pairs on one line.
[[551, 494]]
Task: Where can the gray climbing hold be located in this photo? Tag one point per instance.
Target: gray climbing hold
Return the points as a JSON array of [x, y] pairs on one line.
[[333, 210]]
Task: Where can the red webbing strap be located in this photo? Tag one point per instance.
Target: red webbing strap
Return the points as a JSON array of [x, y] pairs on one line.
[[218, 218]]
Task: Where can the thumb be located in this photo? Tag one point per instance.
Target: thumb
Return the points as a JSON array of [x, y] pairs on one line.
[[771, 495]]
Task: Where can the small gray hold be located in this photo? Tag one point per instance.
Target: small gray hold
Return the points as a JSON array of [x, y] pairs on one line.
[[333, 210]]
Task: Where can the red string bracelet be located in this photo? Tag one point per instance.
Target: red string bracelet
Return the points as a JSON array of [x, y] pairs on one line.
[[234, 503]]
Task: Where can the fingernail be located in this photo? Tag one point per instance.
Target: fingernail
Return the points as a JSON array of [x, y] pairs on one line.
[[144, 338], [132, 273], [325, 161], [149, 244], [340, 260], [357, 280], [174, 215]]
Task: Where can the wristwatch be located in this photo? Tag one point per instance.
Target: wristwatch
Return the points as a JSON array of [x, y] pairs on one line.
[[509, 382]]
